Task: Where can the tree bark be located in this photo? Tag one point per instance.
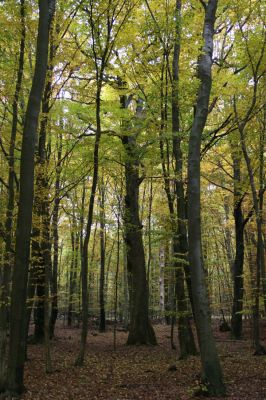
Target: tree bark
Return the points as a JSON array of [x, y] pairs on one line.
[[238, 280], [140, 329], [41, 203], [24, 219], [211, 369], [185, 334], [55, 219], [9, 253], [257, 204], [161, 280], [102, 252], [72, 274], [84, 257]]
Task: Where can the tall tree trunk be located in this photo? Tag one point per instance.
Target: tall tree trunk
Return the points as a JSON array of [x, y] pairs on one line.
[[24, 219], [161, 280], [262, 189], [41, 204], [257, 204], [102, 252], [72, 280], [8, 256], [149, 234], [140, 328], [238, 280], [125, 291], [228, 236], [168, 284], [84, 257], [185, 334], [55, 219], [116, 276], [186, 340], [212, 372], [46, 253]]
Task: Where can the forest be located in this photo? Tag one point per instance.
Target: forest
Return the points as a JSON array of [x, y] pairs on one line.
[[132, 199]]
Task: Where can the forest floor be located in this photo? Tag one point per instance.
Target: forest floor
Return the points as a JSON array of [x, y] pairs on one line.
[[138, 372]]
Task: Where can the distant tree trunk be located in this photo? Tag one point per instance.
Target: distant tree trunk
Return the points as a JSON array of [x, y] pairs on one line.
[[228, 236], [46, 252], [262, 189], [72, 275], [84, 257], [185, 336], [161, 279], [55, 219], [212, 373], [39, 277], [9, 256], [168, 285], [238, 280], [24, 219], [126, 291], [116, 277], [102, 252], [257, 204]]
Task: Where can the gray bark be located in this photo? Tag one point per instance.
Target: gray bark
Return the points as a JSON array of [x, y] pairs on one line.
[[211, 369]]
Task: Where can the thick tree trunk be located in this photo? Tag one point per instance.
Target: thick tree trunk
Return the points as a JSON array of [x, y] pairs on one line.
[[8, 256], [24, 219], [212, 373], [140, 328], [41, 204]]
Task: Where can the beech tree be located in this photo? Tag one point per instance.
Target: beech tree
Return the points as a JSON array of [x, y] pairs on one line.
[[17, 343], [140, 329], [212, 373]]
